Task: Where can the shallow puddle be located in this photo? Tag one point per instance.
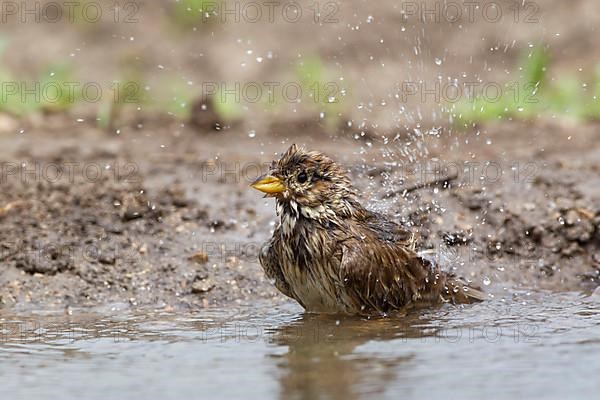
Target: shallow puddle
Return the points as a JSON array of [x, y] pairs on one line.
[[535, 345]]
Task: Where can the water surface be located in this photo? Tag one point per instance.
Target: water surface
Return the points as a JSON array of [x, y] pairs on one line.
[[533, 345]]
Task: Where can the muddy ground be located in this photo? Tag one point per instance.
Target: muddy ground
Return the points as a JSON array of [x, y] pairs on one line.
[[164, 218]]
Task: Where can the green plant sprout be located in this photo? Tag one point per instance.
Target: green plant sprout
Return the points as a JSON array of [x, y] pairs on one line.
[[320, 91], [188, 14], [534, 95], [126, 92], [49, 93]]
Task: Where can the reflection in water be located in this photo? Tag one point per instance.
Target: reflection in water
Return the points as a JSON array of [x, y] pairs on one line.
[[321, 361]]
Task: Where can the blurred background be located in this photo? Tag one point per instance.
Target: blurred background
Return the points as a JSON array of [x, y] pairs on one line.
[[356, 67]]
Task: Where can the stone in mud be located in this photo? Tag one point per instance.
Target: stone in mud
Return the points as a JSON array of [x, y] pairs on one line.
[[194, 214], [132, 213], [199, 257], [15, 205], [202, 286], [578, 227], [572, 249], [116, 228], [564, 204], [553, 242], [49, 260], [204, 117], [596, 223], [473, 199], [107, 258], [537, 233], [455, 238], [572, 217]]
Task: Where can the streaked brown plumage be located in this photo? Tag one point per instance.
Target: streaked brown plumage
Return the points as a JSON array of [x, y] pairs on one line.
[[332, 255]]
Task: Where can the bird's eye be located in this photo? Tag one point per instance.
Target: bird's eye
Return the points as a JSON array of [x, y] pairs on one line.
[[302, 177]]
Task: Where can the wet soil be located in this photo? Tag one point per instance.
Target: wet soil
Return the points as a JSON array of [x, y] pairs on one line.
[[158, 213], [162, 216]]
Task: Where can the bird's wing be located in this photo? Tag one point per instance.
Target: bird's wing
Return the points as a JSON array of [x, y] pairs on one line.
[[390, 231], [268, 260], [380, 275]]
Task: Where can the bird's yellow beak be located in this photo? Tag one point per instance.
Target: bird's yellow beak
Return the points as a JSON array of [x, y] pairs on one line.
[[269, 184]]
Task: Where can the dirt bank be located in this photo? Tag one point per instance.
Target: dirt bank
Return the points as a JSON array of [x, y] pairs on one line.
[[166, 220], [155, 210]]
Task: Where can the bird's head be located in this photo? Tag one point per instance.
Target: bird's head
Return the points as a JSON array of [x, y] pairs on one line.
[[308, 183]]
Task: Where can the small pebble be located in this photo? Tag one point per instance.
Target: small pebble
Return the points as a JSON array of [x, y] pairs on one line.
[[199, 257]]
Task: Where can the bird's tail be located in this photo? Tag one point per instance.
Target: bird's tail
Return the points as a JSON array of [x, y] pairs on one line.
[[457, 291]]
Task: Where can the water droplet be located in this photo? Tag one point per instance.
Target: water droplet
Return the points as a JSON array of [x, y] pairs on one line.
[[486, 281], [252, 133]]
